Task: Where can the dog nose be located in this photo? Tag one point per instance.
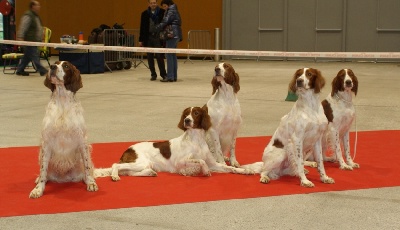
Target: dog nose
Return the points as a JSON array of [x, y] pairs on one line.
[[187, 121], [299, 82], [53, 67], [348, 82], [217, 71]]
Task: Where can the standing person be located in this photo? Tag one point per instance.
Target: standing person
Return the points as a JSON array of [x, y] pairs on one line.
[[149, 37], [173, 18], [30, 29]]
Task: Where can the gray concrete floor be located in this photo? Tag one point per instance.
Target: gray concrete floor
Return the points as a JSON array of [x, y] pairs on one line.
[[126, 106]]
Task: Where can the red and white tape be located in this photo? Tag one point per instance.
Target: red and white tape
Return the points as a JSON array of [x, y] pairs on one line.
[[352, 55]]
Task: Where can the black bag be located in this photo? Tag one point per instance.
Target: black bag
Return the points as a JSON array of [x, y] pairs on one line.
[[167, 33]]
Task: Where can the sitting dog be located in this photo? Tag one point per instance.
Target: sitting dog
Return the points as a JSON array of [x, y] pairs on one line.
[[64, 153], [340, 112], [187, 154], [299, 132], [225, 112]]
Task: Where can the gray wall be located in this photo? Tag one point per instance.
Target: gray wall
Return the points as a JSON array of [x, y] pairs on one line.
[[311, 26]]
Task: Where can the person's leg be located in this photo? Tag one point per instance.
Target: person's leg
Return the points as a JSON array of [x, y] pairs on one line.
[[25, 60], [170, 63], [161, 65], [175, 60], [36, 61], [150, 61]]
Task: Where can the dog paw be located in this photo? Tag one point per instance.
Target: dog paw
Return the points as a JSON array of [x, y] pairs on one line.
[[115, 178], [313, 164], [264, 179], [328, 180], [354, 165], [306, 171], [92, 187], [36, 193], [207, 173], [344, 166], [306, 183], [235, 164]]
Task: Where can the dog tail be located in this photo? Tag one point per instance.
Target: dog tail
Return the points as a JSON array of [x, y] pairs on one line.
[[102, 172], [255, 167]]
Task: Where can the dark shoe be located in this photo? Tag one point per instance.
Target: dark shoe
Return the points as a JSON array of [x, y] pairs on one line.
[[22, 73], [166, 80], [163, 77], [175, 80], [43, 74], [152, 79]]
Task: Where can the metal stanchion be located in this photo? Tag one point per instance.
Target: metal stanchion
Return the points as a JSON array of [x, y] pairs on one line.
[[216, 57]]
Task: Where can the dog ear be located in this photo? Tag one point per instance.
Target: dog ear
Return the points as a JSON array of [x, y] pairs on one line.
[[47, 82], [181, 122], [236, 85], [337, 83], [215, 84], [319, 81], [75, 82], [292, 83], [206, 121], [355, 81]]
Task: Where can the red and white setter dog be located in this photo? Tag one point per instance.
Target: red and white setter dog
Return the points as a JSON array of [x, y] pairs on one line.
[[340, 112], [225, 113], [299, 132], [64, 153], [187, 154]]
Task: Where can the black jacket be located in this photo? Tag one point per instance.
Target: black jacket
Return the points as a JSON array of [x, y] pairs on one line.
[[172, 17], [145, 23]]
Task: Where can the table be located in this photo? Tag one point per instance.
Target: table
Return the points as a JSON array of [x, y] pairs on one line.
[[87, 61]]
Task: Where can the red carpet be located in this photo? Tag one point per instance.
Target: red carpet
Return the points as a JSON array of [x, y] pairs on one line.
[[376, 153]]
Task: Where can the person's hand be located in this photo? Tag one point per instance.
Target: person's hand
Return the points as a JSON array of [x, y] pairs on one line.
[[141, 44]]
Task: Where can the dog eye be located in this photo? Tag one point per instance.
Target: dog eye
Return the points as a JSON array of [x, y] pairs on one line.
[[65, 66], [309, 74], [196, 113]]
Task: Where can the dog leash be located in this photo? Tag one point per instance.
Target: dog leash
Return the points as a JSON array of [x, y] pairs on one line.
[[355, 123]]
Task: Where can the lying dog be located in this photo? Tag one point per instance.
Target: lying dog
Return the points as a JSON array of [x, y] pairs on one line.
[[64, 153], [225, 113], [299, 132], [187, 154]]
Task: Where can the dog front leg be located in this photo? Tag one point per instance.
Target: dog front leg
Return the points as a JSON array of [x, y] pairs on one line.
[[88, 170], [232, 159], [44, 158], [215, 145], [296, 154], [346, 146], [319, 160]]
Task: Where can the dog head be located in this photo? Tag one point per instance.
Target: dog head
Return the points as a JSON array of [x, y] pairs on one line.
[[63, 73], [195, 118], [345, 80], [224, 72], [307, 79]]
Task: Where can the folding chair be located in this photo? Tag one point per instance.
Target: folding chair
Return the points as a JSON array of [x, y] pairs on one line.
[[11, 61], [45, 50]]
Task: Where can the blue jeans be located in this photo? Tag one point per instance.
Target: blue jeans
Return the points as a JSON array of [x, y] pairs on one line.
[[31, 53], [172, 60]]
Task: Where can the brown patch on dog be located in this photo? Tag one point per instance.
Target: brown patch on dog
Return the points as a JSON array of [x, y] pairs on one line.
[[327, 110], [278, 144], [164, 147], [129, 156]]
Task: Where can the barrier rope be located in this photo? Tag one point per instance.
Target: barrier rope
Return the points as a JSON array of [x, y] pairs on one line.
[[354, 55]]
